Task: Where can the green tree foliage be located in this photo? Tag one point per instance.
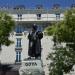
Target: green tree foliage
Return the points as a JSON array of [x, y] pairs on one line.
[[63, 59], [6, 26]]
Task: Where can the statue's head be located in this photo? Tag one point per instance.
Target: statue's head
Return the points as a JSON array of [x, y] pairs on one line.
[[34, 27]]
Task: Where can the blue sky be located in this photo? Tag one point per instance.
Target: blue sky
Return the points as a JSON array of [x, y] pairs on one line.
[[32, 3]]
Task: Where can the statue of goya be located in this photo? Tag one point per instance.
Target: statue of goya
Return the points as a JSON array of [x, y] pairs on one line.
[[35, 37]]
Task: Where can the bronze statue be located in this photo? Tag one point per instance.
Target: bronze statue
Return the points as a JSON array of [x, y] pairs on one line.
[[35, 37]]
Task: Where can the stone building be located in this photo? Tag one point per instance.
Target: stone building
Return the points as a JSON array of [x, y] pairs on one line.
[[24, 19]]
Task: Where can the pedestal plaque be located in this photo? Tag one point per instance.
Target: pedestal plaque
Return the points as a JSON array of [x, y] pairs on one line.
[[31, 67]]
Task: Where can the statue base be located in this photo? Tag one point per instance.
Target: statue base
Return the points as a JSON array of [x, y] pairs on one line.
[[31, 67]]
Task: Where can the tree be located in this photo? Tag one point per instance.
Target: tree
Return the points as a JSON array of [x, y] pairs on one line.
[[63, 58], [6, 26]]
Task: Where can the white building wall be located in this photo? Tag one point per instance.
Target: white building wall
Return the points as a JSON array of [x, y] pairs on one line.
[[33, 17], [8, 54]]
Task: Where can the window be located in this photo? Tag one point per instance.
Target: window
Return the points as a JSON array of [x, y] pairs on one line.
[[18, 56], [38, 16], [57, 16], [19, 29], [19, 16], [18, 44]]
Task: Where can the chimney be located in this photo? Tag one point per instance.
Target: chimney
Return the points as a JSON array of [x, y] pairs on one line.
[[56, 6], [39, 6]]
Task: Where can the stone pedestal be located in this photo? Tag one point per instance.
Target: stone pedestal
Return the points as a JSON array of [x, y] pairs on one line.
[[31, 67]]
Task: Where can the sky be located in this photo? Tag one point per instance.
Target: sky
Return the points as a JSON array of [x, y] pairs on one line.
[[32, 3]]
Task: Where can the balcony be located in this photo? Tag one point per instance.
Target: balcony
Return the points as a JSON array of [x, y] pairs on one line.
[[18, 62], [18, 48], [18, 34], [41, 19]]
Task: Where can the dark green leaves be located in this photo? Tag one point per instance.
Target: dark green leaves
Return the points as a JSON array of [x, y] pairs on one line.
[[6, 26], [63, 59]]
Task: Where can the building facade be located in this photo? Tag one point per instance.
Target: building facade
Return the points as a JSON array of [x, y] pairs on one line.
[[24, 19]]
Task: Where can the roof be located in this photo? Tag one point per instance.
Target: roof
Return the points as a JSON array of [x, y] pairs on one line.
[[33, 11]]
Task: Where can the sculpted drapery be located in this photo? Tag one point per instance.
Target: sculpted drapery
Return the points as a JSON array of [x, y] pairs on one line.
[[35, 37]]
